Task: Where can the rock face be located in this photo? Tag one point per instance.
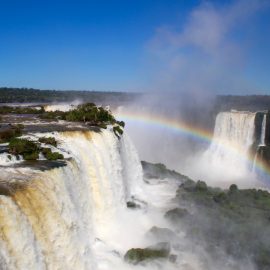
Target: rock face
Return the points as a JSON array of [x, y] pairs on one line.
[[263, 154], [249, 132], [138, 255], [261, 146], [159, 171], [258, 127], [267, 130], [133, 205]]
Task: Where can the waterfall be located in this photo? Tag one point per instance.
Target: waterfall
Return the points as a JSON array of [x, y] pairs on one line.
[[235, 128], [58, 217], [228, 155], [61, 107], [263, 129]]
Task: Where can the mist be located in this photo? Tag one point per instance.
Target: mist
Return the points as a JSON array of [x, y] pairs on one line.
[[157, 142], [188, 65], [204, 55]]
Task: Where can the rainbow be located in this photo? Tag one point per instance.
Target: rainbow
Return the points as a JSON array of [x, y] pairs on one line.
[[186, 129]]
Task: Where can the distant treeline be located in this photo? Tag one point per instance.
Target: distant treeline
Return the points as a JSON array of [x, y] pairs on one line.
[[222, 103], [242, 103], [27, 95]]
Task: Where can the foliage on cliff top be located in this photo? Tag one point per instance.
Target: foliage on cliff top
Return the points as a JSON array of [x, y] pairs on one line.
[[90, 114], [49, 155], [48, 140], [87, 113], [160, 171], [30, 150], [20, 110]]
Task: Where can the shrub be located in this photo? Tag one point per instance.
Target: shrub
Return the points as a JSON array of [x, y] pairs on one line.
[[28, 149], [21, 146], [47, 152], [48, 140], [117, 131], [201, 186], [54, 156], [137, 255], [233, 188], [220, 197], [31, 156], [121, 123], [20, 110]]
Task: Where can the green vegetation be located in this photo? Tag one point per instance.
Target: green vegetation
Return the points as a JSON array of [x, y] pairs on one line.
[[237, 221], [55, 115], [20, 110], [117, 131], [90, 114], [30, 150], [230, 225], [160, 171], [12, 95], [30, 156], [48, 154], [48, 140], [121, 123], [137, 255], [87, 113]]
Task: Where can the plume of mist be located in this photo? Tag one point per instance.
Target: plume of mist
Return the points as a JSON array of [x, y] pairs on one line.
[[155, 141], [204, 55], [189, 65]]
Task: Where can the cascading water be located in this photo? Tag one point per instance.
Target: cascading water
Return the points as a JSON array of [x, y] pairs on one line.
[[263, 129], [76, 217], [227, 158], [235, 129], [261, 158], [60, 107], [54, 221]]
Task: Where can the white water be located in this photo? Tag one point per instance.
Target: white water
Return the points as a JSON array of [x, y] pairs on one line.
[[262, 138], [75, 217], [227, 158], [7, 160], [61, 107]]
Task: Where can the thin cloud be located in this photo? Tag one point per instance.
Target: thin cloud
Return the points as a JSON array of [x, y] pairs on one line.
[[205, 55]]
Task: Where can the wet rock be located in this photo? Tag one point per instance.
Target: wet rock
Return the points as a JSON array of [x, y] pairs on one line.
[[131, 204]]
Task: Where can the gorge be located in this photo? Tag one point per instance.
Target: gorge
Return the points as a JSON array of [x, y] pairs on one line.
[[100, 208]]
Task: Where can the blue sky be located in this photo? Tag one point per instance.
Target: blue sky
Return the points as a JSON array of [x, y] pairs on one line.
[[136, 45]]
